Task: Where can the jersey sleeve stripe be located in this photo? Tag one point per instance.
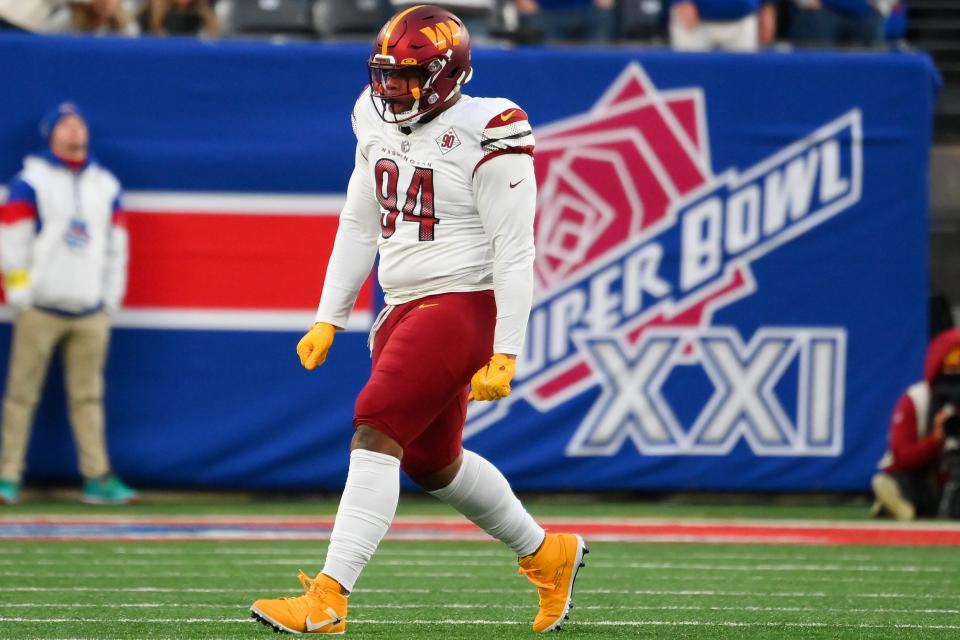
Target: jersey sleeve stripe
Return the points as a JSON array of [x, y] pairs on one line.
[[14, 212], [522, 139], [507, 130], [484, 142], [528, 150]]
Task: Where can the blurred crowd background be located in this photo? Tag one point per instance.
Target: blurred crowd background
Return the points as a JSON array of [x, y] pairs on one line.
[[781, 22], [930, 25], [782, 25]]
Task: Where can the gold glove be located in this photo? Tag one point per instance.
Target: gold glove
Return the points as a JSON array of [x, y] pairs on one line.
[[492, 382], [315, 345]]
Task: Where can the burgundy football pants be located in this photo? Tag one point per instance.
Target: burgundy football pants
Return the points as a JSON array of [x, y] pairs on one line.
[[424, 355]]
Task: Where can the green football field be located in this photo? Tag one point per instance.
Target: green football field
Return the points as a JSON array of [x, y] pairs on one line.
[[446, 590]]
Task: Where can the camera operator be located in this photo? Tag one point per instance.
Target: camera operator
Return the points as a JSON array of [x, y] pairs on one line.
[[924, 441]]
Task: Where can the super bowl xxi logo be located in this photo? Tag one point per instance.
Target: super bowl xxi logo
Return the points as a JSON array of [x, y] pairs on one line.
[[639, 243]]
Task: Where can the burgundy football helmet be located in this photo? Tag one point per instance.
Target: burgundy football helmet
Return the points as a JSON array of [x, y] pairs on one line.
[[420, 59]]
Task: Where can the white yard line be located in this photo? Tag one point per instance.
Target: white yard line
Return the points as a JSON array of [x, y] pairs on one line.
[[774, 567], [285, 554], [478, 567], [605, 623], [805, 579], [946, 596], [517, 607], [390, 560]]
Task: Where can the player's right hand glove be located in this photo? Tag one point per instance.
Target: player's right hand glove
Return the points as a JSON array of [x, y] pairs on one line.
[[315, 345], [492, 382]]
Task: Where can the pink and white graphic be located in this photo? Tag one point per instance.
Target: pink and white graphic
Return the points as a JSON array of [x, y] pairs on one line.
[[609, 175], [612, 172]]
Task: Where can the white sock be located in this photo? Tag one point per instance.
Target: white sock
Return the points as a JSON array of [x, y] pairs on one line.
[[366, 510], [480, 492]]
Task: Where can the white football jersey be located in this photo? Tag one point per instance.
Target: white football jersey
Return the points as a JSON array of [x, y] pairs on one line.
[[439, 225], [432, 239]]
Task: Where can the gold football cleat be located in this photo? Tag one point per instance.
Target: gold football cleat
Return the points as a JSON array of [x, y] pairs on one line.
[[553, 570], [322, 609]]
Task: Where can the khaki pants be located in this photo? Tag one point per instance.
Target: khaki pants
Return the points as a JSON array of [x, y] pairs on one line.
[[36, 335]]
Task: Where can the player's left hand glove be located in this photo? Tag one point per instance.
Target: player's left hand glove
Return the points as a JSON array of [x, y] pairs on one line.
[[492, 382], [315, 345]]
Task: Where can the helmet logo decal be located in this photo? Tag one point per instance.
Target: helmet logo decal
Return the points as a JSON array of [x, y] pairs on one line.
[[443, 34]]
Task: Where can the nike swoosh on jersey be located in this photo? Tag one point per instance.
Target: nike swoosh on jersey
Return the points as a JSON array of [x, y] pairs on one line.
[[424, 306], [313, 626], [514, 184], [506, 116]]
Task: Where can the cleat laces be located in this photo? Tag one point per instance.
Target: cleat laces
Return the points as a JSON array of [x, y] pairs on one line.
[[311, 587]]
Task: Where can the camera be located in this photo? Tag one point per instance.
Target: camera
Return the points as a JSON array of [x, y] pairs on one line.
[[950, 500], [951, 427]]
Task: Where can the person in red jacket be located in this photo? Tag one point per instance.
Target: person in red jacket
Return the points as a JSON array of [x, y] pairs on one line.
[[909, 482]]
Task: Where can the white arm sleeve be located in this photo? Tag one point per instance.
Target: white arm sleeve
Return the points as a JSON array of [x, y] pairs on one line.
[[507, 216], [118, 255], [354, 248], [118, 251], [16, 244]]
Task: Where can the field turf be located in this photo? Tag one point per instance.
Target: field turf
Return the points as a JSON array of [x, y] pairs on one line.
[[450, 590]]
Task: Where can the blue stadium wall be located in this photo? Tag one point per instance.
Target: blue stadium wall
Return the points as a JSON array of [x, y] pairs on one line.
[[731, 276]]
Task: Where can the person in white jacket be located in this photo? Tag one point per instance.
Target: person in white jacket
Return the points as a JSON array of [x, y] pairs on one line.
[[63, 254]]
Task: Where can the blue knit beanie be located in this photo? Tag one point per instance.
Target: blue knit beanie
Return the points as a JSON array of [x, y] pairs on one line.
[[53, 116]]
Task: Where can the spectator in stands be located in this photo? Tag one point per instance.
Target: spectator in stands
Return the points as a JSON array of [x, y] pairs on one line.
[[729, 25], [59, 16], [63, 254], [28, 15], [98, 17], [895, 25], [589, 21], [179, 18], [909, 480], [829, 23]]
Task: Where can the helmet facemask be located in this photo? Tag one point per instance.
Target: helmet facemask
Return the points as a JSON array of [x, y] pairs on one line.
[[404, 93]]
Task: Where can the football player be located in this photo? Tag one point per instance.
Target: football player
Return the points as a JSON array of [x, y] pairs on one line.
[[444, 189]]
